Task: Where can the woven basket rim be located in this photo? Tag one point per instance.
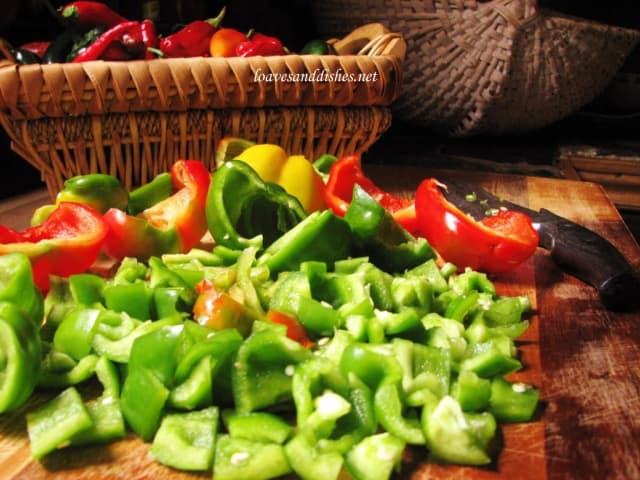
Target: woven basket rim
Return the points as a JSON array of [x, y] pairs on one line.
[[366, 71]]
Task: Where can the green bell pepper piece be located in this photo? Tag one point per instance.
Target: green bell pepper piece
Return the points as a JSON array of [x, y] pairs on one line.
[[74, 336], [375, 457], [457, 437], [20, 356], [54, 424], [242, 210], [17, 286], [105, 413], [134, 299], [142, 401], [241, 458], [149, 194], [257, 426], [196, 391], [471, 391], [372, 364], [310, 462], [162, 276], [512, 402], [87, 288], [78, 372], [186, 441], [261, 375], [378, 235], [322, 236]]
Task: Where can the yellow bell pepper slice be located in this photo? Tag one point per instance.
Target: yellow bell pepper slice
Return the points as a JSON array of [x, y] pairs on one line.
[[294, 173]]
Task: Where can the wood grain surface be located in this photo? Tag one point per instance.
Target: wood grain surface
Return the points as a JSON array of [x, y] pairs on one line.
[[584, 359]]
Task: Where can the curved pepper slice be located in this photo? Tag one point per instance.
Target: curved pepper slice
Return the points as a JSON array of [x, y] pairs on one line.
[[294, 173], [68, 242], [21, 352], [494, 244], [173, 225], [243, 210], [345, 173]]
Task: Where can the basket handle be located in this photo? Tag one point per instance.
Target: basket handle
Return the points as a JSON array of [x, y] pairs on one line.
[[371, 39]]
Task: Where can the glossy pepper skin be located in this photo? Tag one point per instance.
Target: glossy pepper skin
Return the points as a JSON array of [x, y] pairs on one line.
[[86, 15], [67, 242], [114, 35], [21, 351], [245, 211], [495, 244], [173, 225], [224, 41], [192, 40], [294, 173], [258, 44], [347, 172]]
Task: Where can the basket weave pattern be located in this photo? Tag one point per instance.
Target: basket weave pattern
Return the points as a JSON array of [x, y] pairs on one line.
[[134, 119], [492, 66]]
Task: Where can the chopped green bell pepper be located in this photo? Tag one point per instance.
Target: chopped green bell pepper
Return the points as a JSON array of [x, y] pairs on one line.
[[241, 458], [186, 441]]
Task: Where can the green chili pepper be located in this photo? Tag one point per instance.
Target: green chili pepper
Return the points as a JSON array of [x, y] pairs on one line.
[[316, 47], [243, 210]]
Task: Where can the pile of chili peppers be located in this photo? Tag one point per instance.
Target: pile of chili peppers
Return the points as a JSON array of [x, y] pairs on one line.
[[96, 32]]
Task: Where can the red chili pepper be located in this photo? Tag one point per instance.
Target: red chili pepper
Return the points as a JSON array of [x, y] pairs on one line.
[[141, 42], [39, 48], [102, 43], [192, 40], [67, 242], [175, 224], [345, 173], [260, 45], [495, 244], [87, 15]]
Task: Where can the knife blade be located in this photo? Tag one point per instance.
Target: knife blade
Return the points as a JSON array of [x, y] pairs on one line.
[[577, 250]]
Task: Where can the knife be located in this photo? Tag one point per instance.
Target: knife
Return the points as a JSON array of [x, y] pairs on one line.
[[574, 248]]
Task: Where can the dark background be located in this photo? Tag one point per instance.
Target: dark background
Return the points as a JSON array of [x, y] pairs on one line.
[[291, 20]]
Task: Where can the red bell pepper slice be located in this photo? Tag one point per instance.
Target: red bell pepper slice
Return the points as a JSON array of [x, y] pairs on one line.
[[66, 243], [173, 225], [494, 244], [345, 173]]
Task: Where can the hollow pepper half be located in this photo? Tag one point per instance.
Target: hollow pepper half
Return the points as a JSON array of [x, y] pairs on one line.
[[294, 173], [67, 242], [345, 173], [494, 244], [173, 225]]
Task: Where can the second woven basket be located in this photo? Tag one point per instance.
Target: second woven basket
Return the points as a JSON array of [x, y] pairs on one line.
[[492, 66]]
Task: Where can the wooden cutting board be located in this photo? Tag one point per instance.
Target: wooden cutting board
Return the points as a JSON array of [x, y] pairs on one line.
[[584, 359]]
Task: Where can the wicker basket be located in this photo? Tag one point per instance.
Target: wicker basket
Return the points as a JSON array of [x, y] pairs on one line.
[[492, 66], [133, 119]]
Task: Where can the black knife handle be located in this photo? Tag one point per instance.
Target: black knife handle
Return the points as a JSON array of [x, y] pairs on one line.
[[591, 258]]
